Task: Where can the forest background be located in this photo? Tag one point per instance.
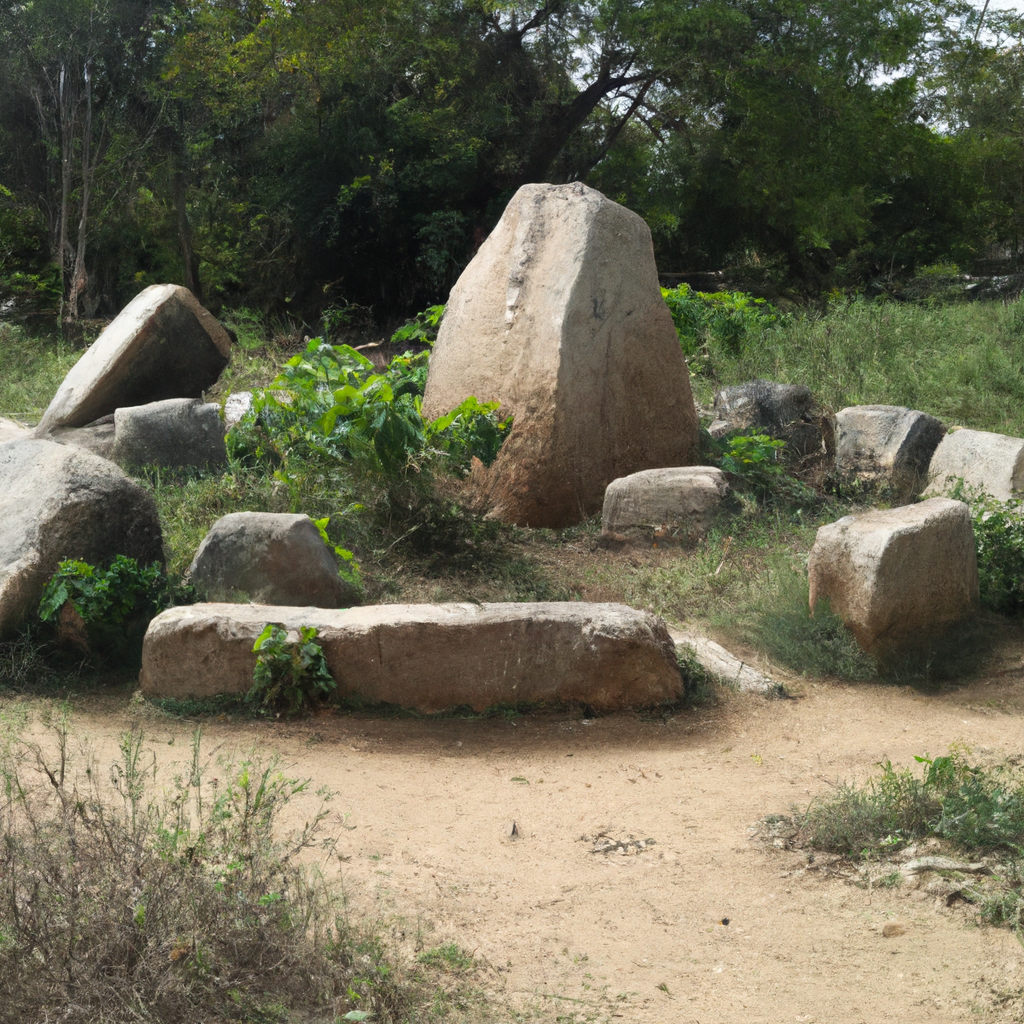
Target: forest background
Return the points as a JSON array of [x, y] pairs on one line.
[[337, 160]]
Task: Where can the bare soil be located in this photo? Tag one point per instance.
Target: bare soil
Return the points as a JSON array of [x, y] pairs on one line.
[[561, 932]]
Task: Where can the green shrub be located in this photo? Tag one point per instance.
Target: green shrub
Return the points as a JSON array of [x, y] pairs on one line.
[[999, 540], [113, 605], [973, 807], [726, 317], [331, 403], [289, 676]]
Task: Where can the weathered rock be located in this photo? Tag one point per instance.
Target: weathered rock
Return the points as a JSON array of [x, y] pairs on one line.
[[992, 462], [97, 437], [272, 558], [898, 578], [236, 405], [163, 344], [178, 432], [722, 664], [786, 411], [887, 444], [430, 657], [59, 502], [559, 317], [12, 431], [664, 505]]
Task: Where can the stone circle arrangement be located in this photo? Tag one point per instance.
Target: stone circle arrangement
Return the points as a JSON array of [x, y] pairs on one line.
[[559, 317]]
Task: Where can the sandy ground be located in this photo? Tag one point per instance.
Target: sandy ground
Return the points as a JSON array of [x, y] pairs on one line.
[[564, 933]]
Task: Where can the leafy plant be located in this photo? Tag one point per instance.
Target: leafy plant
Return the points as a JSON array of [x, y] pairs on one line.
[[726, 317], [330, 402], [289, 675], [999, 541], [422, 328], [348, 567], [112, 606], [103, 595]]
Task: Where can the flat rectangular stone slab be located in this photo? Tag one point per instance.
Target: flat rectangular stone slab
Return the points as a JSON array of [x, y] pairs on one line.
[[429, 657]]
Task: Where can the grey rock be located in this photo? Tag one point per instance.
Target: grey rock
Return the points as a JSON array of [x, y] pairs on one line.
[[664, 505], [58, 502], [559, 317], [887, 444], [178, 432], [430, 657], [898, 578], [785, 411], [163, 344], [272, 558], [993, 463]]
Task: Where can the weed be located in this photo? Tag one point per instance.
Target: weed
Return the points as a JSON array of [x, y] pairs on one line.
[[121, 902], [449, 957], [289, 676]]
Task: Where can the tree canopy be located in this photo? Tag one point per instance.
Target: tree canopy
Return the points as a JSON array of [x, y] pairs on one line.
[[310, 154]]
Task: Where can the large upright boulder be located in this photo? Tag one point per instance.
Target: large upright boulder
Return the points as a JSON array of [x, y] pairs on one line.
[[899, 578], [163, 344], [59, 502], [271, 558], [993, 463], [429, 657], [887, 444], [559, 317]]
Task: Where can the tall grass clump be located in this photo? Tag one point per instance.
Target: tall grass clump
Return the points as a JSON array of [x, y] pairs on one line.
[[32, 367], [122, 901], [960, 362]]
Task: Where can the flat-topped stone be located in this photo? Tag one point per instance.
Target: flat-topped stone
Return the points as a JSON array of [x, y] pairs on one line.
[[175, 433], [990, 462], [163, 344], [887, 444], [655, 505], [429, 657], [898, 577]]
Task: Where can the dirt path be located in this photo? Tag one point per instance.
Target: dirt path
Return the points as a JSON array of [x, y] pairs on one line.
[[569, 934]]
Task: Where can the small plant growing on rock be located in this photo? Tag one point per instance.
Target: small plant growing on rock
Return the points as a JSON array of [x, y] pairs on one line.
[[289, 675]]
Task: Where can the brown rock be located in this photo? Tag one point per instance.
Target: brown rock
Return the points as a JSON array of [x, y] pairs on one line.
[[163, 344], [560, 319], [893, 929], [898, 577], [430, 657]]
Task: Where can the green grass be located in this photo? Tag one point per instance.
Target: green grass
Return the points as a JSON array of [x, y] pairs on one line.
[[31, 370], [963, 363]]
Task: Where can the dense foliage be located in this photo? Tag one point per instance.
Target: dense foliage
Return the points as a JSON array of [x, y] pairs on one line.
[[322, 158]]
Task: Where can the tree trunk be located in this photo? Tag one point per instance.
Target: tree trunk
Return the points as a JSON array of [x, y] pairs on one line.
[[188, 254], [79, 276]]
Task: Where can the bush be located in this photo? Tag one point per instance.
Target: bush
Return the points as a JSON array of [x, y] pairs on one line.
[[973, 807], [999, 540], [726, 317], [105, 612], [331, 403], [289, 676], [124, 901]]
